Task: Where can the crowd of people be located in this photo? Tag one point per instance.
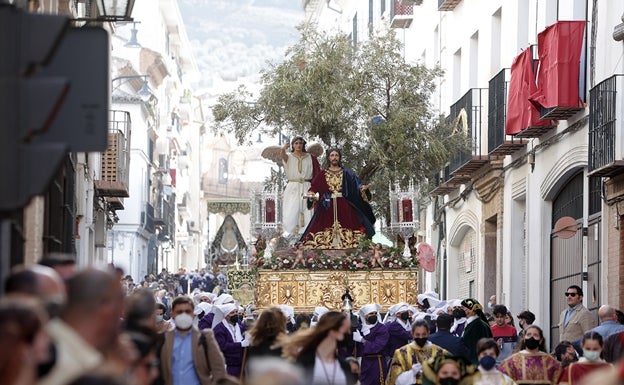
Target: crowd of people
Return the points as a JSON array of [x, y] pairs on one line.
[[64, 326]]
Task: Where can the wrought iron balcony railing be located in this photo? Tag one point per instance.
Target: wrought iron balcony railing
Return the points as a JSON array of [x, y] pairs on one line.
[[467, 116], [447, 5], [114, 179], [606, 140], [500, 144], [401, 16]]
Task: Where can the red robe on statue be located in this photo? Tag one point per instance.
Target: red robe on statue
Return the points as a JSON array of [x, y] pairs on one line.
[[342, 215]]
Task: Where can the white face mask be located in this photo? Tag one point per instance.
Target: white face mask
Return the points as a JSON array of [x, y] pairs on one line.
[[183, 321], [591, 355]]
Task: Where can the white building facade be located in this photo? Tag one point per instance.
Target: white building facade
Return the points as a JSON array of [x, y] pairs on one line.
[[496, 208], [163, 206]]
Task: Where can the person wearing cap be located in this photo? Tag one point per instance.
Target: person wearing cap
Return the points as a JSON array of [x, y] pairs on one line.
[[410, 357], [399, 328], [230, 338], [476, 327], [371, 339], [299, 167]]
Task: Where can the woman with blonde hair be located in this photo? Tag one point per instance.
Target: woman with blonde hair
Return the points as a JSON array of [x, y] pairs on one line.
[[315, 350]]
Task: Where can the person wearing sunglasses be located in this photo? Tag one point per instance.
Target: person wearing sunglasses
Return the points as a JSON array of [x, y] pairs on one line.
[[576, 319]]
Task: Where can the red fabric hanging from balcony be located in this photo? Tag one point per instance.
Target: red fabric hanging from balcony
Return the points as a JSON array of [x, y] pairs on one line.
[[559, 49], [521, 113], [172, 173], [269, 211]]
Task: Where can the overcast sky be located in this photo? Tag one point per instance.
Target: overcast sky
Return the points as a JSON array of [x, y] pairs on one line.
[[232, 40]]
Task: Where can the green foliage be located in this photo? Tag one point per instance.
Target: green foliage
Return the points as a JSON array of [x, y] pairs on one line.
[[328, 91]]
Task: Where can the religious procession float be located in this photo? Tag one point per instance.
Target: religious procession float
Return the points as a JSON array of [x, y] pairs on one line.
[[337, 256]]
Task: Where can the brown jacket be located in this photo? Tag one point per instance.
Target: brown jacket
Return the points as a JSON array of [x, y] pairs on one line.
[[210, 371], [580, 321]]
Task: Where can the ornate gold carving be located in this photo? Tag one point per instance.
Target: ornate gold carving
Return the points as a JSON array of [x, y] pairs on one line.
[[306, 289], [229, 207], [335, 238], [334, 180]]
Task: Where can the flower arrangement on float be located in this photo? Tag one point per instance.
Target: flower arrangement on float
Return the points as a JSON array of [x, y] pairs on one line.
[[355, 259]]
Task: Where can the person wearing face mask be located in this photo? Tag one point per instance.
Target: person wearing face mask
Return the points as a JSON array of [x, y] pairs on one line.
[[487, 353], [371, 340], [592, 345], [532, 364], [459, 323], [161, 324], [399, 328], [189, 356], [449, 370], [230, 338], [409, 358], [525, 319]]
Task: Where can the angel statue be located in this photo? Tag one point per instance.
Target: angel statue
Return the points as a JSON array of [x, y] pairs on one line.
[[300, 166]]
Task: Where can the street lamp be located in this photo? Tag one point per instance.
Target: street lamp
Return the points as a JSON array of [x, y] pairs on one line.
[[111, 11], [133, 42], [145, 92]]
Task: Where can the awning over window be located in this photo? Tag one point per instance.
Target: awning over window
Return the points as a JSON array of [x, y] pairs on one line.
[[521, 113], [559, 49]]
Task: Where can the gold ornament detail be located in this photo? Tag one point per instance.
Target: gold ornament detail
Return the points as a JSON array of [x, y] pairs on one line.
[[305, 289]]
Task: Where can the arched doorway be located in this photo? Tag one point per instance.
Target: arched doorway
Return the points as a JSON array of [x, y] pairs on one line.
[[566, 255]]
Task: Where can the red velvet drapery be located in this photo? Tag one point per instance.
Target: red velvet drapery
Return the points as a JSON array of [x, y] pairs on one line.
[[521, 113], [559, 49]]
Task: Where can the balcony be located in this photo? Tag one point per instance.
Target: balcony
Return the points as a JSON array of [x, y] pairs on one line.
[[560, 79], [606, 139], [162, 211], [115, 203], [447, 5], [467, 113], [401, 16], [114, 178], [500, 144], [147, 218], [443, 183]]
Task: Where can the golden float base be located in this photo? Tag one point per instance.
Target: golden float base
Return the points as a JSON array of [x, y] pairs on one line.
[[305, 289]]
